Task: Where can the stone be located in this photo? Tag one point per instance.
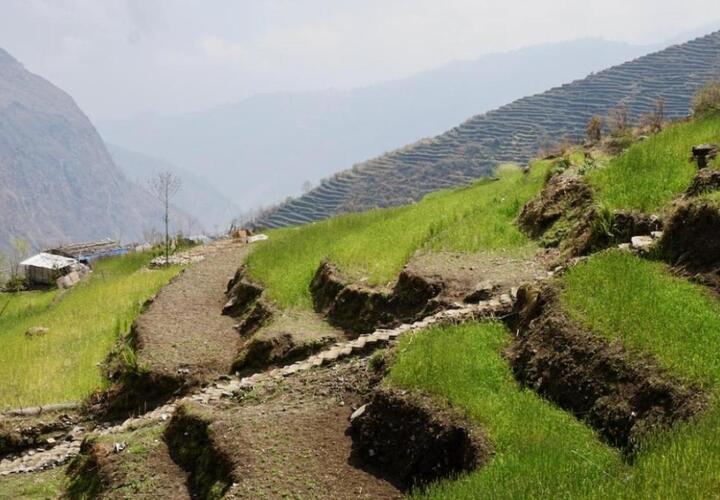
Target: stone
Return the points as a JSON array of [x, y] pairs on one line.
[[641, 242], [656, 235], [624, 246], [119, 447], [358, 412], [702, 153]]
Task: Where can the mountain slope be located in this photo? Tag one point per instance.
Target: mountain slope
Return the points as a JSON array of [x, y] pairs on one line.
[[268, 145], [57, 180], [196, 197], [512, 133]]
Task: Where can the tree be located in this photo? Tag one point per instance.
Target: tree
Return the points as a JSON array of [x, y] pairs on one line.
[[164, 186], [655, 120], [619, 118], [594, 129], [307, 187]]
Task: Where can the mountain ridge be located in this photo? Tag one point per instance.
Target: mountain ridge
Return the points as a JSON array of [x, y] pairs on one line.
[[512, 133]]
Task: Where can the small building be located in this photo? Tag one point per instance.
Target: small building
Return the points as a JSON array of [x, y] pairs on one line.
[[46, 268]]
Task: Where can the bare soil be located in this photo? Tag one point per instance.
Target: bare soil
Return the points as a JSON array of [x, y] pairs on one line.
[[183, 335], [289, 438]]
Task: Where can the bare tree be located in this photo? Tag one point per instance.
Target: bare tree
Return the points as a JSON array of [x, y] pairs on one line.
[[619, 118], [19, 250], [164, 186], [594, 129]]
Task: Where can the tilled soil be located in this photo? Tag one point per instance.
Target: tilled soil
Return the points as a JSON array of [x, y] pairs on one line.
[[183, 334], [289, 437]]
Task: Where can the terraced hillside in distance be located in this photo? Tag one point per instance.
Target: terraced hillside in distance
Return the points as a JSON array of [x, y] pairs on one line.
[[512, 133]]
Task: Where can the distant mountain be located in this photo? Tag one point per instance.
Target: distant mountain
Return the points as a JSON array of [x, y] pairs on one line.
[[511, 133], [57, 180], [197, 197], [262, 149]]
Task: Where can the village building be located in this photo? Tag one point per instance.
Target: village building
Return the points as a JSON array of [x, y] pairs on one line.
[[45, 268], [90, 251]]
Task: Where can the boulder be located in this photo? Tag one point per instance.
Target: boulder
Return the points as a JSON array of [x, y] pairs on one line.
[[703, 153]]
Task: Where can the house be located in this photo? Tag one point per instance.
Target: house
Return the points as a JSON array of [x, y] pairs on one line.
[[46, 268]]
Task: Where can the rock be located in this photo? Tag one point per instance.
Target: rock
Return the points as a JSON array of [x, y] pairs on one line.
[[37, 331], [641, 242], [702, 153], [624, 246], [656, 235], [705, 180], [119, 447], [358, 412]]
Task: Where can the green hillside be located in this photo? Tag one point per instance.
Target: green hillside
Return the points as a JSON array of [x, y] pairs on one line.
[[375, 245]]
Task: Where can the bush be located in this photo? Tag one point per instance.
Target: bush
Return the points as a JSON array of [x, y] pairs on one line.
[[594, 129], [707, 100]]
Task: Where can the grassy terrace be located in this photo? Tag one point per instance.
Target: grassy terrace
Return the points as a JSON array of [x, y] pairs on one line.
[[540, 450], [84, 324], [651, 173], [622, 297], [377, 244]]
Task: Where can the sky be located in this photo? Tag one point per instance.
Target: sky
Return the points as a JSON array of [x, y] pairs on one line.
[[121, 58]]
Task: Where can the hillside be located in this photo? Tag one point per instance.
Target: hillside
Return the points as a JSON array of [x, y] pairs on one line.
[[514, 132], [57, 180], [268, 145], [197, 197], [402, 351]]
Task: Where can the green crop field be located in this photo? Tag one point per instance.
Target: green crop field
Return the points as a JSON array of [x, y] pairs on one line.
[[377, 244], [84, 323], [542, 452], [651, 173]]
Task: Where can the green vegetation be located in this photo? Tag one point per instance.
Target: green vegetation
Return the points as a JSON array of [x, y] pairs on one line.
[[540, 450], [84, 324], [376, 245], [46, 485], [623, 297], [618, 295], [651, 173], [707, 100]]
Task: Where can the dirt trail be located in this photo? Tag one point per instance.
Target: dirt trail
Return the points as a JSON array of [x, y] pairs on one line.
[[183, 333]]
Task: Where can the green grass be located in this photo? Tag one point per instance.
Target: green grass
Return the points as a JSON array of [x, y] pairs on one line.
[[622, 297], [376, 245], [651, 173], [84, 324], [540, 451], [43, 485]]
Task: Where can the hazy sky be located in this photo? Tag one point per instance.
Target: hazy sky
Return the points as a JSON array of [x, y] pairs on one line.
[[123, 57]]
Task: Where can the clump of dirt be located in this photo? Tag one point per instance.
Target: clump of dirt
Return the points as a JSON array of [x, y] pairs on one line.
[[624, 395], [599, 229], [414, 440], [360, 309], [190, 441], [246, 303], [691, 239], [706, 180], [564, 194]]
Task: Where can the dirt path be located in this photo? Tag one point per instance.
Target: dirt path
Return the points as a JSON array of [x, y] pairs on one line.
[[183, 333]]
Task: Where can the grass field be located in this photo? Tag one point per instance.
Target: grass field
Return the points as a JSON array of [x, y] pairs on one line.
[[377, 244], [540, 450], [83, 323], [43, 485], [623, 297], [651, 173]]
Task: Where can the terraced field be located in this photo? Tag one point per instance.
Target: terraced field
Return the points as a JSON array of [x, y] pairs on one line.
[[512, 133]]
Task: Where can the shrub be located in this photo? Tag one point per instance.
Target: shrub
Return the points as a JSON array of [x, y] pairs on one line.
[[594, 128], [654, 121], [707, 100]]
